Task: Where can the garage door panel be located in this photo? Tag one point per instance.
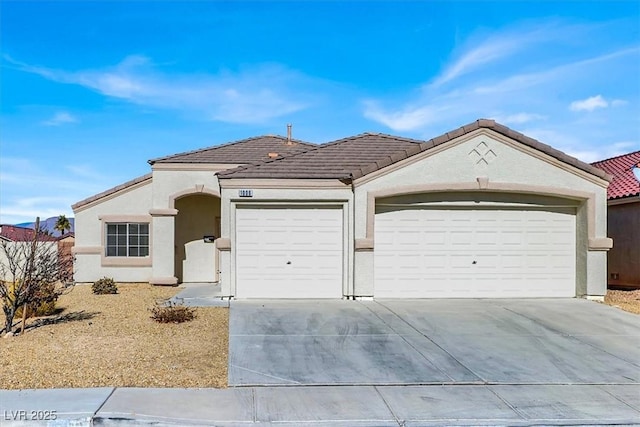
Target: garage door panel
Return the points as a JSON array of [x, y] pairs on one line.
[[474, 253], [289, 253]]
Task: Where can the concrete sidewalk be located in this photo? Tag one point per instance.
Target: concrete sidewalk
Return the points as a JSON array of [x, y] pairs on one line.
[[514, 405]]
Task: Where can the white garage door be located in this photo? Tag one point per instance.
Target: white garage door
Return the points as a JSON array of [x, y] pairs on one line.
[[289, 253], [474, 253]]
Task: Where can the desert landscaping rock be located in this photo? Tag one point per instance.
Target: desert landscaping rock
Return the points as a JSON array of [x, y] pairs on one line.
[[111, 341], [627, 300]]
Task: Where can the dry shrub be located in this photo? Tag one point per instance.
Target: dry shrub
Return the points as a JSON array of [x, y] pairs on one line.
[[44, 301], [172, 313], [104, 286]]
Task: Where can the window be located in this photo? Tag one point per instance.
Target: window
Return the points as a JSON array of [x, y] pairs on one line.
[[128, 239]]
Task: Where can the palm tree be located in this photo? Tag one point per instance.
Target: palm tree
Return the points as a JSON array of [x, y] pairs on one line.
[[62, 224]]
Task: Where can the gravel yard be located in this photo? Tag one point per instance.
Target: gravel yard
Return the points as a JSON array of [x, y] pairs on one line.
[[110, 340], [625, 300]]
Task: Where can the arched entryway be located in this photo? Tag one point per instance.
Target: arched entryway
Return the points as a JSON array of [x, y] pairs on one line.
[[197, 224]]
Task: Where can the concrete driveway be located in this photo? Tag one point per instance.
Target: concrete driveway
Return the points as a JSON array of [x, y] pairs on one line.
[[424, 342]]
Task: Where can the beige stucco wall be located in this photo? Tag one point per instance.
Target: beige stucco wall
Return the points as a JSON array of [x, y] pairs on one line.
[[331, 193], [154, 200], [509, 166], [624, 257], [197, 216], [88, 250], [171, 183]]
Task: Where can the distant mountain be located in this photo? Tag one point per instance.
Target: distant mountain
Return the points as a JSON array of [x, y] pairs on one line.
[[48, 224]]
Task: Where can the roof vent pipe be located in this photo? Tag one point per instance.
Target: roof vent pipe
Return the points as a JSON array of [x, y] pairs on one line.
[[289, 134]]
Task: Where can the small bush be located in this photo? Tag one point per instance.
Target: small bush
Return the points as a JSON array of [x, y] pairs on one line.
[[172, 313], [44, 301], [104, 286]]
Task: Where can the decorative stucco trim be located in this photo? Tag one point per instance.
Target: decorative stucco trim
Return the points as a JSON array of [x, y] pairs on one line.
[[196, 190], [163, 212], [363, 245], [125, 218], [212, 167], [112, 193], [223, 244], [581, 196], [86, 250], [239, 183], [600, 244], [126, 261], [163, 281]]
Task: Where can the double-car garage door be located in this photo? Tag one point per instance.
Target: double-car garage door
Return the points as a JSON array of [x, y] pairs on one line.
[[470, 252]]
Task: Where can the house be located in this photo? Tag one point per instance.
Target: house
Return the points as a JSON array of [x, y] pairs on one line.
[[481, 211], [11, 239], [623, 218]]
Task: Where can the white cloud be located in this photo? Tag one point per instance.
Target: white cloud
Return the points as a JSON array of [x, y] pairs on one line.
[[253, 95], [406, 120], [494, 48], [522, 78], [60, 118], [619, 102], [589, 104]]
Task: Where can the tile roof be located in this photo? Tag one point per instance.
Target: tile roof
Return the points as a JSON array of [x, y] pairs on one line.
[[342, 159], [250, 150], [624, 183], [111, 191], [353, 157], [14, 233]]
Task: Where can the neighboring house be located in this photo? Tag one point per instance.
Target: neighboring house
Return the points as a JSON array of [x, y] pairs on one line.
[[623, 218], [481, 211], [12, 235]]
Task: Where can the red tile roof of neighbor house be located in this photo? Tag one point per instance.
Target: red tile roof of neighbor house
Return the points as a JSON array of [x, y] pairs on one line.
[[14, 233], [353, 157], [624, 183], [250, 150]]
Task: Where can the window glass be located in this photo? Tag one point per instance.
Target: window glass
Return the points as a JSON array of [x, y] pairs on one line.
[[127, 239]]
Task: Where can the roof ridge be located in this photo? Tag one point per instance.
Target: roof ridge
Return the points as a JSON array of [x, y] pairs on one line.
[[228, 144], [616, 157], [388, 135]]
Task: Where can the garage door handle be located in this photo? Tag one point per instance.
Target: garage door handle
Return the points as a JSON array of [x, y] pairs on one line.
[[474, 262], [288, 262]]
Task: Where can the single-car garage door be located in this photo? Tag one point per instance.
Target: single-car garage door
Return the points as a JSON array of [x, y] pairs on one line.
[[474, 253], [289, 252]]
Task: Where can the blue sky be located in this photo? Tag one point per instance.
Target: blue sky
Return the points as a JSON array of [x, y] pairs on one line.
[[91, 90]]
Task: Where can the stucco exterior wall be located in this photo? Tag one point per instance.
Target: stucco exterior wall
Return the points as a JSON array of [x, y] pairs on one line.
[[171, 183], [197, 216], [89, 250], [485, 159], [624, 257]]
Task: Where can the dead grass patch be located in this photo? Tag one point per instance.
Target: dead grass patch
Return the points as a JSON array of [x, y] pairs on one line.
[[627, 300], [111, 340]]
